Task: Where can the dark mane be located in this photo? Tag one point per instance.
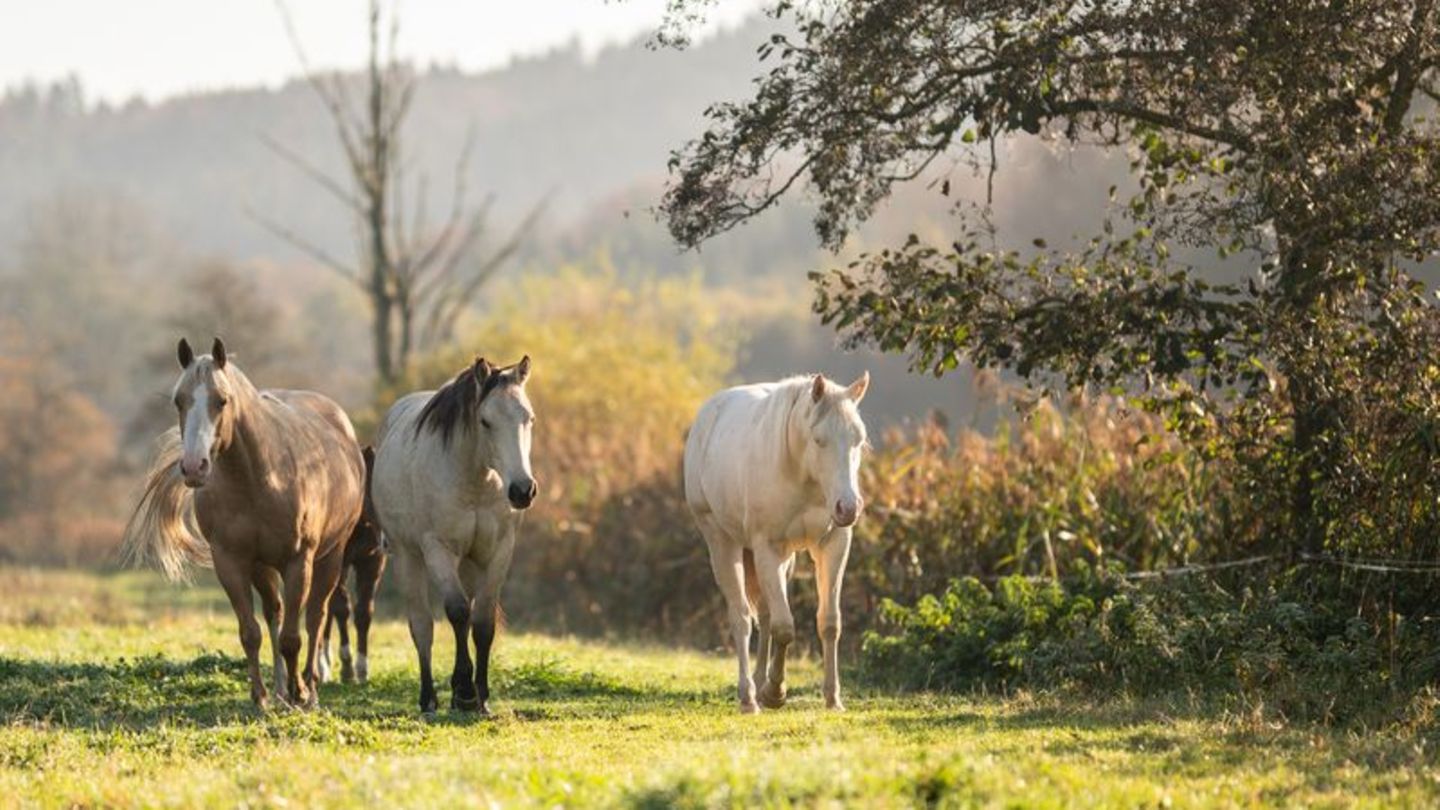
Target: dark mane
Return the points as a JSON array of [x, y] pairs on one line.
[[457, 403]]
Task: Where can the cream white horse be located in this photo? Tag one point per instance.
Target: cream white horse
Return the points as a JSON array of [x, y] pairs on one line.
[[452, 477], [771, 469]]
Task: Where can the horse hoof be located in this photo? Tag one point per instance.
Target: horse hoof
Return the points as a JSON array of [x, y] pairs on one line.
[[347, 674], [749, 708], [466, 704], [834, 705], [772, 698]]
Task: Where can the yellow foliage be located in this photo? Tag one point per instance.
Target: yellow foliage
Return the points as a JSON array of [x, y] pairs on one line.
[[619, 371]]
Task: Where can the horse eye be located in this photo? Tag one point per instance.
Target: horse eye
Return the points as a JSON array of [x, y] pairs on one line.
[[485, 423], [221, 402]]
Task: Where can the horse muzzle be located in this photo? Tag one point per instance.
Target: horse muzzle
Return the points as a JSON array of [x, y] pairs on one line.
[[195, 474], [522, 493], [846, 512]]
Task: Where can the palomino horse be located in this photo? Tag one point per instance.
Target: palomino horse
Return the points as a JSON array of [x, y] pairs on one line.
[[274, 483], [452, 476], [365, 555], [771, 469]]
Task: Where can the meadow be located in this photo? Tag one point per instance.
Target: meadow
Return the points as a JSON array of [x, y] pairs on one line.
[[121, 690]]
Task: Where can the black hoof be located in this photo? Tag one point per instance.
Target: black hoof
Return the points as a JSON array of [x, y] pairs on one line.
[[462, 703], [429, 704]]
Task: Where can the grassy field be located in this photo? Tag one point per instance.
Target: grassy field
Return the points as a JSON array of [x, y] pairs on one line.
[[124, 691]]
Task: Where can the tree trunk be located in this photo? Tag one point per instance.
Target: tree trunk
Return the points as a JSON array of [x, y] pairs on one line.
[[1307, 426], [1299, 298]]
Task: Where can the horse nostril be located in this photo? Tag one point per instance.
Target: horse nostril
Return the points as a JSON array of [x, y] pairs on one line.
[[521, 494], [534, 490]]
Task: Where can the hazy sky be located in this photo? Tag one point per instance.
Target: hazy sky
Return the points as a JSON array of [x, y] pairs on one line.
[[158, 48]]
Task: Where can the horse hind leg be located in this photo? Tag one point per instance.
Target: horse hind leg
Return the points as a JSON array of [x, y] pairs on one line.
[[726, 561], [340, 618], [267, 583], [416, 583], [757, 600], [367, 582]]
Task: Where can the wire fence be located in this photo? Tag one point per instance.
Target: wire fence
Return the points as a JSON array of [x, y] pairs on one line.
[[1369, 564]]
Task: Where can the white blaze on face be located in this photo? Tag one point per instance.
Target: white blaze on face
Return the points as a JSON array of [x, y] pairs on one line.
[[850, 436], [198, 433], [837, 445]]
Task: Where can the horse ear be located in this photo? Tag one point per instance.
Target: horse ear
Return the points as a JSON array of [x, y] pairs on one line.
[[185, 354], [522, 370], [482, 370], [817, 390], [857, 389], [217, 351]]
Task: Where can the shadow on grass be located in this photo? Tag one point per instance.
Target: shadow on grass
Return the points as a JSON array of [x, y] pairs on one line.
[[207, 689], [1160, 735], [212, 690]]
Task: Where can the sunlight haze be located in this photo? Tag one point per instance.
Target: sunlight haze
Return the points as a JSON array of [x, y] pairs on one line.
[[155, 49]]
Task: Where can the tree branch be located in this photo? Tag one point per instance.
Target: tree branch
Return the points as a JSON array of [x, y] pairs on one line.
[[309, 248]]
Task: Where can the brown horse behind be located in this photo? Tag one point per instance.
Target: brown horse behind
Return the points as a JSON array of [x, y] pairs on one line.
[[365, 555], [274, 483]]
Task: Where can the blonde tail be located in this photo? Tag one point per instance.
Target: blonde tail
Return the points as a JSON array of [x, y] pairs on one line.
[[162, 531]]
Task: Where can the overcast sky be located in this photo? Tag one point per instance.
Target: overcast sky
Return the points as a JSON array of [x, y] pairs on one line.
[[158, 48]]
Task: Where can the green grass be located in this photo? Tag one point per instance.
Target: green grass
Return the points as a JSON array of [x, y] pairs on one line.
[[123, 691]]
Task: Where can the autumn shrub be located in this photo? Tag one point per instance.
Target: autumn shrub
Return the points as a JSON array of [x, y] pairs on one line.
[[58, 494]]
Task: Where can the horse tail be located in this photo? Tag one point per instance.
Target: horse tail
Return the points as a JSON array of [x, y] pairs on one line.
[[162, 531]]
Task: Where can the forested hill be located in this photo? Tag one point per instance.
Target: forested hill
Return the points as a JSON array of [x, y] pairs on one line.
[[574, 130]]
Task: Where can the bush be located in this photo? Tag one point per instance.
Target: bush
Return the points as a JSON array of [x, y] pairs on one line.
[[1306, 658], [1059, 492]]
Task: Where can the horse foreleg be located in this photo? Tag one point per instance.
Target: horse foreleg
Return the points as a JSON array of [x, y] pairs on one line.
[[267, 582], [830, 560], [297, 576], [422, 624], [444, 567], [773, 571], [367, 581], [485, 613], [324, 575], [234, 576]]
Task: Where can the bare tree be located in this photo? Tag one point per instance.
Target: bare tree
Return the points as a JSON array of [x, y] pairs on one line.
[[418, 278]]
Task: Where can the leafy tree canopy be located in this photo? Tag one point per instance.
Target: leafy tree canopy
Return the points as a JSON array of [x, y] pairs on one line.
[[1298, 134]]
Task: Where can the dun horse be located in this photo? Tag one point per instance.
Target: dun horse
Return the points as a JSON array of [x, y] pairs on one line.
[[365, 555], [273, 482], [452, 476], [771, 469]]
